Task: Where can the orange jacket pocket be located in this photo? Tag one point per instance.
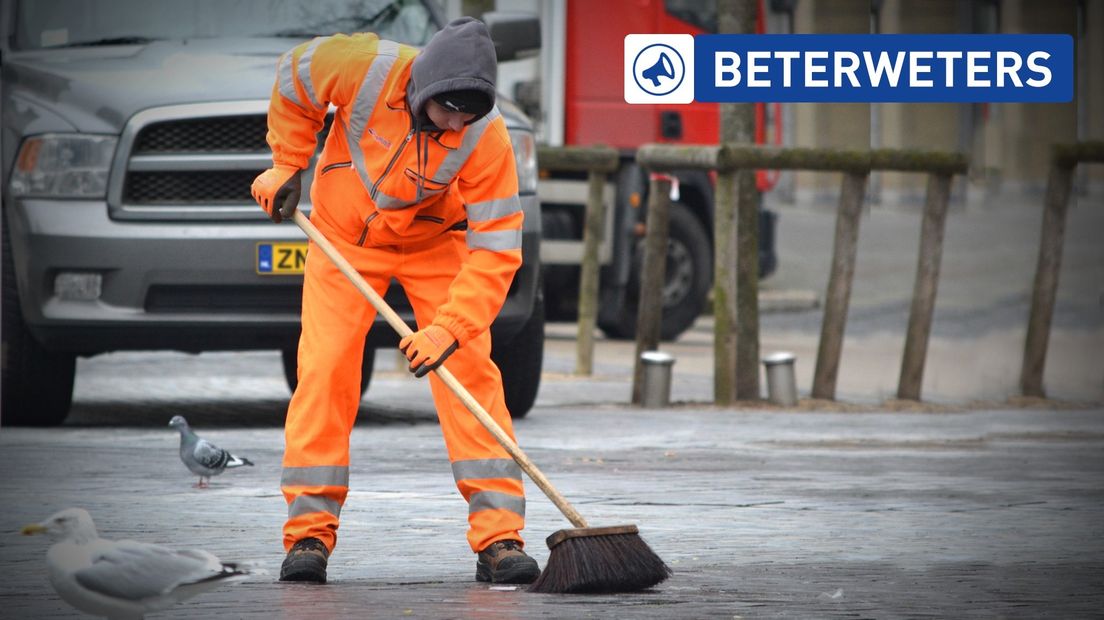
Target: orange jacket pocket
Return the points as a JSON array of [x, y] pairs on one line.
[[339, 198], [428, 186]]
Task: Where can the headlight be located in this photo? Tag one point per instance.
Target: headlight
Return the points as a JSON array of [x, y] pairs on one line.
[[525, 155], [63, 166]]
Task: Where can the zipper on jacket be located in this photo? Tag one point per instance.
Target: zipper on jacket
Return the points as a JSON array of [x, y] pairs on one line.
[[379, 181], [364, 233], [430, 218], [340, 164]]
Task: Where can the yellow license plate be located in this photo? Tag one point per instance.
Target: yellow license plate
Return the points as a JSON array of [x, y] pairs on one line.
[[284, 258]]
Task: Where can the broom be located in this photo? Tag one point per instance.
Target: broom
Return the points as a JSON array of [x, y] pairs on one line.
[[582, 559]]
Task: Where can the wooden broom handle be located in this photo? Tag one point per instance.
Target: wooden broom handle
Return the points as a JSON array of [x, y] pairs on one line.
[[400, 326]]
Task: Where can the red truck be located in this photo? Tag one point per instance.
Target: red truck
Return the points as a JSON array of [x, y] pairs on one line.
[[581, 102]]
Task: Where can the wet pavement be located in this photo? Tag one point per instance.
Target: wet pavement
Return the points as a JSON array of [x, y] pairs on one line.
[[971, 505], [761, 512]]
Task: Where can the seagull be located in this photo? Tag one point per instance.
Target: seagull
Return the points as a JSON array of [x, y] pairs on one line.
[[202, 457], [124, 579]]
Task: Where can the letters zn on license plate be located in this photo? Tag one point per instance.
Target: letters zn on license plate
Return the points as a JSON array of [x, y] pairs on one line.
[[282, 258]]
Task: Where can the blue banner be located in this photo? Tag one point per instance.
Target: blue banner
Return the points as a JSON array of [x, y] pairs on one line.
[[884, 68]]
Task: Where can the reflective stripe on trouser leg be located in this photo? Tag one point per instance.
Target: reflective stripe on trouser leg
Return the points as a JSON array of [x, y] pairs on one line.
[[496, 503], [323, 409], [314, 496], [496, 499]]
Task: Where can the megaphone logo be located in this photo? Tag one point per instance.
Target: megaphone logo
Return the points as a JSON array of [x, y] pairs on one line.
[[662, 68], [658, 73], [659, 69]]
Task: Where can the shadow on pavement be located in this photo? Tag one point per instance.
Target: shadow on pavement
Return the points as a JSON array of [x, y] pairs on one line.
[[265, 413]]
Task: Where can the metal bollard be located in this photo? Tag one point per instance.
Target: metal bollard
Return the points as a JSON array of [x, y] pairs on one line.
[[781, 385], [656, 390]]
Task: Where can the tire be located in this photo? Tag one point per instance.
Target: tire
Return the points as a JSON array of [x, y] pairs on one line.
[[687, 278], [37, 384], [520, 360], [290, 357]]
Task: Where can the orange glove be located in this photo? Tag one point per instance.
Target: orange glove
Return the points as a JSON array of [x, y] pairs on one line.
[[427, 349], [277, 190]]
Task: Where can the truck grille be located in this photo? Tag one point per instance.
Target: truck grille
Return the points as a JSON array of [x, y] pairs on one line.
[[218, 187], [195, 162], [228, 134]]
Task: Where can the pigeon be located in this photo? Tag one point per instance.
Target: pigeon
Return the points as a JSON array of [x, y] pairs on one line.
[[202, 457], [124, 579]]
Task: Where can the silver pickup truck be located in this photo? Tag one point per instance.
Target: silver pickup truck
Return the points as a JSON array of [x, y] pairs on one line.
[[131, 133]]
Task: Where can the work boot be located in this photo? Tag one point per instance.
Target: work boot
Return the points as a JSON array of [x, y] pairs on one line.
[[505, 562], [305, 562]]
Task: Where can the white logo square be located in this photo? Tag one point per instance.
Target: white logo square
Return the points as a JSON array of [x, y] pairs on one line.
[[659, 68]]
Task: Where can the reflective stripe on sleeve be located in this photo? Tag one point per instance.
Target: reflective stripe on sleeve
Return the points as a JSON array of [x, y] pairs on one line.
[[287, 80], [305, 71], [495, 240], [493, 209]]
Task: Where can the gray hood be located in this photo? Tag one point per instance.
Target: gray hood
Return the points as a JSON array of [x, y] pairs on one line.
[[461, 56]]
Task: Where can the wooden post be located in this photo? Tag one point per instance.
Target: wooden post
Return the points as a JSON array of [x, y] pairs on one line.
[[597, 162], [927, 281], [747, 286], [838, 296], [650, 310], [735, 273], [724, 288], [738, 126], [588, 279], [1046, 279]]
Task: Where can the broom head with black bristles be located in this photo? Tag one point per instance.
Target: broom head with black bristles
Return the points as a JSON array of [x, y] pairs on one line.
[[599, 560]]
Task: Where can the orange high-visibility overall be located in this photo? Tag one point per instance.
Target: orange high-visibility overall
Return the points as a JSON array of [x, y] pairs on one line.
[[437, 211]]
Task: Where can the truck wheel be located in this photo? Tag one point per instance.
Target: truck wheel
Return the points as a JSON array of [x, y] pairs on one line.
[[520, 360], [291, 368], [37, 384], [687, 278]]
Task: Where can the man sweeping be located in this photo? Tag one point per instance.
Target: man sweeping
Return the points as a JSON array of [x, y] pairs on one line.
[[416, 181]]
